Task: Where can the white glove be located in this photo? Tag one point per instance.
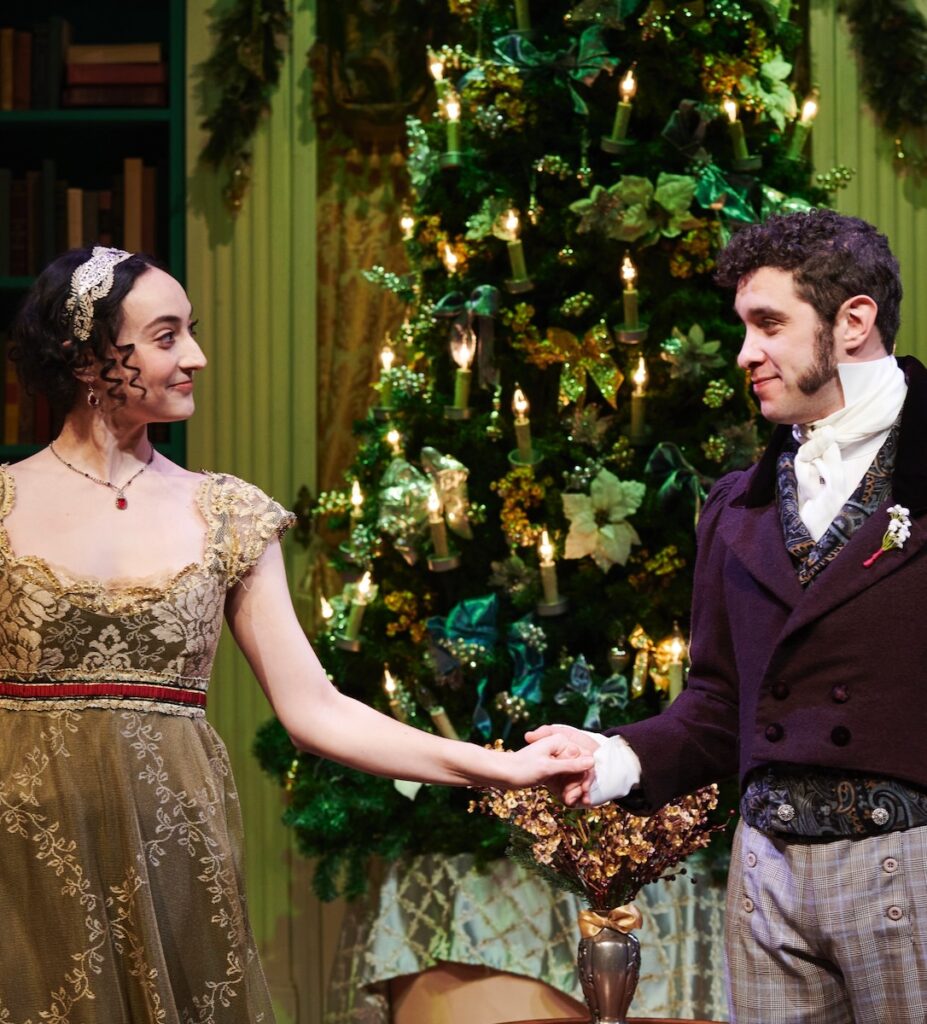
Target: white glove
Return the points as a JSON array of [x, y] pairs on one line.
[[617, 769]]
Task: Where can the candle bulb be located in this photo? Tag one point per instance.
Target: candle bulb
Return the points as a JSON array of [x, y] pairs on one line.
[[326, 609], [627, 87], [358, 605], [437, 713], [516, 250], [629, 295], [520, 407], [548, 570], [407, 224], [357, 503], [802, 127], [394, 440], [522, 16], [387, 356], [677, 651], [463, 348], [393, 696], [450, 260], [436, 68], [452, 110], [736, 132], [436, 525], [639, 377]]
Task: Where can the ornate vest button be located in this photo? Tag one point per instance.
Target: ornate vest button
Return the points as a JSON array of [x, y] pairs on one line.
[[840, 693], [774, 732], [780, 690], [785, 812], [840, 736], [880, 816]]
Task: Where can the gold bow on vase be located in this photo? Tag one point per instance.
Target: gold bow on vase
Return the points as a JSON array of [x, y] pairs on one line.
[[620, 919]]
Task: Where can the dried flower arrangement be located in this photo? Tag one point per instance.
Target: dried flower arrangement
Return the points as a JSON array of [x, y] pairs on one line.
[[605, 855]]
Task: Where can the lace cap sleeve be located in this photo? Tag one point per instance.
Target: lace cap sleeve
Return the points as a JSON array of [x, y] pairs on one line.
[[243, 520]]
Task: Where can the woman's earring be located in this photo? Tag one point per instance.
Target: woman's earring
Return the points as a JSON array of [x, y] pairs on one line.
[[93, 399]]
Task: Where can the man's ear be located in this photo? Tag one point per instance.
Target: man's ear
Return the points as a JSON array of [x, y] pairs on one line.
[[855, 332]]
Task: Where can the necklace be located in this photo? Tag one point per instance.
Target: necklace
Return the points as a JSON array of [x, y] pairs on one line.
[[121, 501]]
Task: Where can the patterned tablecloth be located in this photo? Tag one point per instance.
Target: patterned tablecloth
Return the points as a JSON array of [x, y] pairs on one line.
[[433, 908]]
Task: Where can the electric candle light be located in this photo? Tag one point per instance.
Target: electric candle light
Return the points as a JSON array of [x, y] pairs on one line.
[[326, 608], [802, 127], [736, 132], [394, 440], [640, 378], [676, 650], [629, 295], [463, 348], [387, 356], [392, 693], [452, 110], [548, 569], [516, 250], [450, 259], [627, 88], [357, 502], [436, 525], [520, 407], [522, 16], [407, 224], [358, 605], [437, 713], [436, 67]]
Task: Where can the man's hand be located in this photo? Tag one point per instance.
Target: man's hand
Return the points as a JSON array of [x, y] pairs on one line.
[[573, 790]]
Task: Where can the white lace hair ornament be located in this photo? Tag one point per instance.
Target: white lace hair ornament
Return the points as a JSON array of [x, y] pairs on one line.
[[91, 281]]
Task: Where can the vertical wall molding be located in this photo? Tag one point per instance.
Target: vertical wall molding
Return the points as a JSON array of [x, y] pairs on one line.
[[252, 282]]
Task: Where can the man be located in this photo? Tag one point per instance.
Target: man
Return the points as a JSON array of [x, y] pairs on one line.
[[809, 656]]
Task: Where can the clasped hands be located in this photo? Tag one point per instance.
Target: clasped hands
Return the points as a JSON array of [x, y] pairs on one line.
[[571, 787]]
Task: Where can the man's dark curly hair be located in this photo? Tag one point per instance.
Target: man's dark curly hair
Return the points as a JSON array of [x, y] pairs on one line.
[[46, 353], [831, 258]]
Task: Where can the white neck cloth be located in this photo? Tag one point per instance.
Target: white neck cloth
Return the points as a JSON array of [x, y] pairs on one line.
[[837, 450]]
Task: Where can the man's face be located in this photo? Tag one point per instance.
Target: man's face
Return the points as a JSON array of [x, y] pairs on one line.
[[788, 352]]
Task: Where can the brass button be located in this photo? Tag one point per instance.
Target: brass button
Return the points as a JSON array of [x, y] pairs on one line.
[[880, 816], [780, 690], [785, 812]]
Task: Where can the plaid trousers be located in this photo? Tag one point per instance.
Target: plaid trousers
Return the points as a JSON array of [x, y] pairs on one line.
[[827, 933]]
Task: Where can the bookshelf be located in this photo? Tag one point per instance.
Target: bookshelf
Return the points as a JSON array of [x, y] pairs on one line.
[[110, 172]]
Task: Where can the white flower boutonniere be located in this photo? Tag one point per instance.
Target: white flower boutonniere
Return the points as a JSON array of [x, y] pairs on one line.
[[899, 529]]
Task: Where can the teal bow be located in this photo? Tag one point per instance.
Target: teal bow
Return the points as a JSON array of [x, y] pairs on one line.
[[473, 620], [613, 692], [582, 62], [714, 192], [674, 474], [529, 664]]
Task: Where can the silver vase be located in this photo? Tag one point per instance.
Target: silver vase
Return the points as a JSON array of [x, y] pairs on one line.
[[609, 965]]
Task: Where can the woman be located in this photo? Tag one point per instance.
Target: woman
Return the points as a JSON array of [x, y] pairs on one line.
[[120, 876]]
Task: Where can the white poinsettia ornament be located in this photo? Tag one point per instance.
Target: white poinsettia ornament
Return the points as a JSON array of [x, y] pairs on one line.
[[598, 520]]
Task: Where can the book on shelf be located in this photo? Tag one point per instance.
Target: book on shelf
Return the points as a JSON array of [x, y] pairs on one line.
[[6, 181], [127, 73], [75, 218], [10, 397], [7, 49], [113, 53], [132, 188], [19, 228], [128, 95], [22, 70]]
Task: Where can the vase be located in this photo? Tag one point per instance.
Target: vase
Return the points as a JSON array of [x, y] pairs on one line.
[[609, 965]]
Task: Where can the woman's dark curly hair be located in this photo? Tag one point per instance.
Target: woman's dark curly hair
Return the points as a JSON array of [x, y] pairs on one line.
[[831, 258], [46, 353]]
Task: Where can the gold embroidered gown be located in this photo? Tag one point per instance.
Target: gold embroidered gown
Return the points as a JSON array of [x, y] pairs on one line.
[[121, 895]]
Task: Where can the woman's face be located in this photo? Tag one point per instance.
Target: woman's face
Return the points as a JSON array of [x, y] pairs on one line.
[[157, 320]]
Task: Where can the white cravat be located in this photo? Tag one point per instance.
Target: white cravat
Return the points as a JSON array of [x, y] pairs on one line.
[[837, 450]]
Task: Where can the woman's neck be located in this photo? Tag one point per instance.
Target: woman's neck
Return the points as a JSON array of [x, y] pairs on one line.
[[101, 447]]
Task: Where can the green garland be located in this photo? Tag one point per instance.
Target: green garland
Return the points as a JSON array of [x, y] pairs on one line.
[[890, 40], [253, 38]]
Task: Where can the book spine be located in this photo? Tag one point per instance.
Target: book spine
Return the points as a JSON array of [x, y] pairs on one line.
[[47, 249], [75, 218], [11, 398], [33, 221], [105, 229], [114, 53], [149, 210], [39, 87], [6, 180], [114, 96], [6, 67], [59, 38], [91, 216], [116, 74], [19, 228], [22, 70], [132, 204]]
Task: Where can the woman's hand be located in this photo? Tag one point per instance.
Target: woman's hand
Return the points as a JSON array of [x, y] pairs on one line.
[[555, 761], [573, 790]]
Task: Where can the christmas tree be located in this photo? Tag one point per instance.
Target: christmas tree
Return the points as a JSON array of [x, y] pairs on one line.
[[518, 525]]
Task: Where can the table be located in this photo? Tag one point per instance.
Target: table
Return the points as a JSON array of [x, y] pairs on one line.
[[631, 1020]]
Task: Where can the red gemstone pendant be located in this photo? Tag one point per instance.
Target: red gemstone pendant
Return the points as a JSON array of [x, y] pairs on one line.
[[121, 503]]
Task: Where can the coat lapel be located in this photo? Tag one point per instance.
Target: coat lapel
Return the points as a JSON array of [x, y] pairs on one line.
[[754, 536]]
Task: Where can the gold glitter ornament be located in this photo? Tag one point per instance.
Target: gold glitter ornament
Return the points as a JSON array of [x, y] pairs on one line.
[[567, 256], [514, 708]]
